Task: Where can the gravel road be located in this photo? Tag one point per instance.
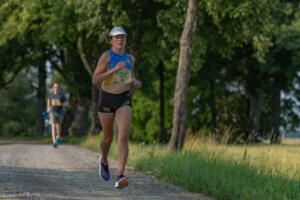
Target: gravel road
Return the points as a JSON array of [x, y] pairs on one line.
[[35, 170]]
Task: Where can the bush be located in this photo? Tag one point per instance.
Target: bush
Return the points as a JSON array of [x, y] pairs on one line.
[[11, 128]]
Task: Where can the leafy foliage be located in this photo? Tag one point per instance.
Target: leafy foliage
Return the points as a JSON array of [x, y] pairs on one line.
[[17, 101], [241, 49]]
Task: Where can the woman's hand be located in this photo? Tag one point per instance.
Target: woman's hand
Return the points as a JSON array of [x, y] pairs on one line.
[[137, 84], [120, 65]]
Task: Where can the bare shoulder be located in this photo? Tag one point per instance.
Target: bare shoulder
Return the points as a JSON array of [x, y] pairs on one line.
[[105, 56], [104, 59]]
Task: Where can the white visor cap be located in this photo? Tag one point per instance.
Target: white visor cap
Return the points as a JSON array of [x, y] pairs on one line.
[[117, 31]]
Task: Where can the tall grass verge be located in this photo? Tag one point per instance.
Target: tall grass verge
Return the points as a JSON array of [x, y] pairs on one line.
[[273, 160], [218, 178]]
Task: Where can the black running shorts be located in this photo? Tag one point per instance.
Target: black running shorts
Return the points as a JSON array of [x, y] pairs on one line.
[[109, 103]]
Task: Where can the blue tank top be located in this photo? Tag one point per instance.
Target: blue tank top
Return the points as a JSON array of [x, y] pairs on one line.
[[114, 60]]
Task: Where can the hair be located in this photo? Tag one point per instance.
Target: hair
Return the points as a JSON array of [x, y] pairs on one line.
[[106, 37]]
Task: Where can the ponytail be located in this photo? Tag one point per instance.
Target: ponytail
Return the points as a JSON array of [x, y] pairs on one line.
[[106, 37]]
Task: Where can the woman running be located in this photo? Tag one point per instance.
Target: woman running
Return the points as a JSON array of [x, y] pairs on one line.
[[115, 69]]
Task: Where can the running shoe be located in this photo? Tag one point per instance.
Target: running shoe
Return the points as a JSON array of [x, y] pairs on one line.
[[103, 170], [54, 145], [57, 141], [121, 182]]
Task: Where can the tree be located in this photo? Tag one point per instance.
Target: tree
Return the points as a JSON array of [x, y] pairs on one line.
[[17, 110], [61, 30], [24, 24], [182, 78], [285, 60]]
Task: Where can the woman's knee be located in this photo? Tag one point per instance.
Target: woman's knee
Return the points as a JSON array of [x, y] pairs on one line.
[[107, 140], [123, 138]]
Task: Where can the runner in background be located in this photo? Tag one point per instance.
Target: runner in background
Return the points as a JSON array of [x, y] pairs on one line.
[[55, 104]]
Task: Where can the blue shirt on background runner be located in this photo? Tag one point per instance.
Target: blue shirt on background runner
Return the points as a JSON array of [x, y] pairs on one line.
[[55, 108]]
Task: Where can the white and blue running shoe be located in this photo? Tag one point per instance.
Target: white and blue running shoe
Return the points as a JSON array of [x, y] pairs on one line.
[[121, 182], [103, 170]]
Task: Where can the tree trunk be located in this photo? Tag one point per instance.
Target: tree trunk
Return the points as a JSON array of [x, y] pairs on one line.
[[95, 122], [41, 96], [256, 103], [83, 57], [80, 121], [183, 77], [162, 135], [275, 137], [68, 117], [212, 104]]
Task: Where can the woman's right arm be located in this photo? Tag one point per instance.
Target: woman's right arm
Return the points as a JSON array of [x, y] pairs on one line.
[[100, 74]]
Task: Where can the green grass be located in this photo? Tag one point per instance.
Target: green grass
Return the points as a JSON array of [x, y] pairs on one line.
[[273, 160], [235, 172], [222, 179]]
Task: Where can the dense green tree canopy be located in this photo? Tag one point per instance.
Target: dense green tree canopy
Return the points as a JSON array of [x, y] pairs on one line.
[[245, 53]]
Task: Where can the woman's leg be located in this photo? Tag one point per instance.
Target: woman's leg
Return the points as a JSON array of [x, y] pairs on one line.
[[123, 119], [107, 121]]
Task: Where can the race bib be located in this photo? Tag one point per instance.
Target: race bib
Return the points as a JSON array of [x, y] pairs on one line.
[[122, 76], [55, 102]]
